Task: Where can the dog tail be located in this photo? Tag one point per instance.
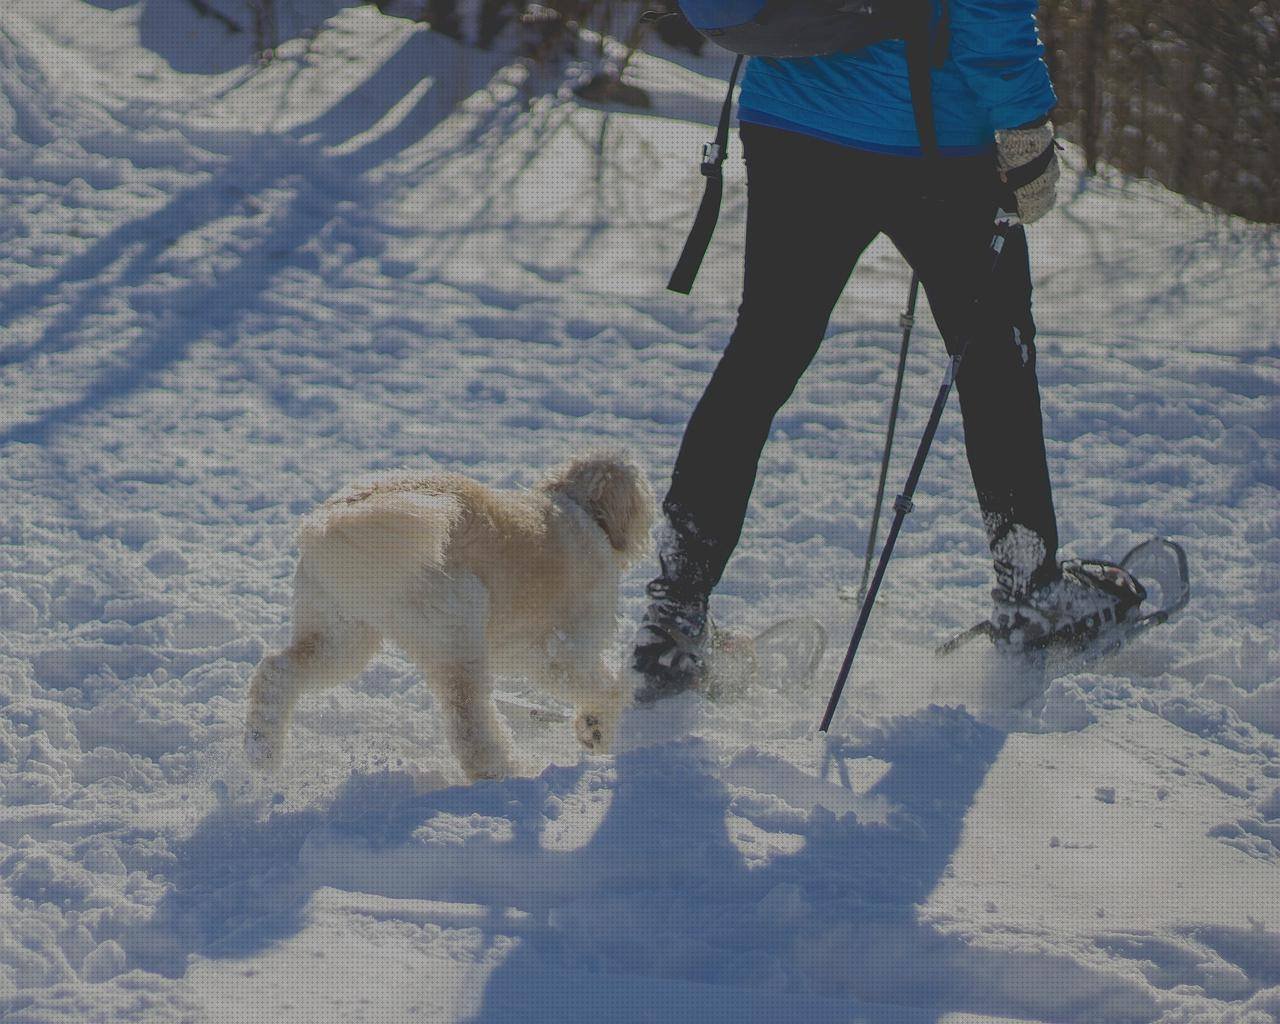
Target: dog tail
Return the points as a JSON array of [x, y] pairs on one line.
[[368, 541]]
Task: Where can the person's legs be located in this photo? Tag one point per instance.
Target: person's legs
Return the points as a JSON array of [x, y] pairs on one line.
[[947, 241], [806, 228], [808, 221]]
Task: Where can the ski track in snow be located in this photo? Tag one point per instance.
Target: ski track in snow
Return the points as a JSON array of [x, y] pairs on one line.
[[228, 290]]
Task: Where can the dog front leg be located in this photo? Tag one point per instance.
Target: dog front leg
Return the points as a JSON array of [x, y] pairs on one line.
[[600, 703]]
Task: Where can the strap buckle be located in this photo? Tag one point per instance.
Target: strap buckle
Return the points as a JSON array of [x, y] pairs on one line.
[[712, 158]]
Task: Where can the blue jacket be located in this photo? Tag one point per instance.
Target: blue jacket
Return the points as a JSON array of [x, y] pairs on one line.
[[993, 77]]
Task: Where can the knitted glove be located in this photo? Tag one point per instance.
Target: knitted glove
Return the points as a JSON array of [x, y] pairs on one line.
[[1017, 150]]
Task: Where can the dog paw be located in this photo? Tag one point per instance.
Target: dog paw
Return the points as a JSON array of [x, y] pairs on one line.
[[590, 731], [260, 749], [491, 773]]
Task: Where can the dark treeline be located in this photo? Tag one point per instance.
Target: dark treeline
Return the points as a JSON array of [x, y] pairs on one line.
[[1186, 92]]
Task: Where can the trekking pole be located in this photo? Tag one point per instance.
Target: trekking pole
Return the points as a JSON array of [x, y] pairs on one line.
[[903, 503], [906, 321]]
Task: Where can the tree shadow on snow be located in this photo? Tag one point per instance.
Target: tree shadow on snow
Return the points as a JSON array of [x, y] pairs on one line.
[[286, 197], [220, 285]]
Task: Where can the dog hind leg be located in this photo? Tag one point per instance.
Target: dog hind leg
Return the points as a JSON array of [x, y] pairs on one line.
[[320, 656]]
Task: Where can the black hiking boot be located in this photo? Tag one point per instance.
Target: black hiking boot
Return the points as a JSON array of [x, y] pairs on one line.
[[671, 645]]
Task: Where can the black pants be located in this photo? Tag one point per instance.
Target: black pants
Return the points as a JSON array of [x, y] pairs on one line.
[[813, 207]]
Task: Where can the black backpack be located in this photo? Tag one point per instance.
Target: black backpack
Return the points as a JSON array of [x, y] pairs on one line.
[[802, 28]]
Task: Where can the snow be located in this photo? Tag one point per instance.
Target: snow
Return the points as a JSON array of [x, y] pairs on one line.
[[230, 289]]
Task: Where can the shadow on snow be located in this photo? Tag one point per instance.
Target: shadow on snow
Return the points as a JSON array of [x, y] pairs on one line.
[[659, 902]]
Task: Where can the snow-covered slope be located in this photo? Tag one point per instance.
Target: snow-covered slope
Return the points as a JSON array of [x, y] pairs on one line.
[[229, 289]]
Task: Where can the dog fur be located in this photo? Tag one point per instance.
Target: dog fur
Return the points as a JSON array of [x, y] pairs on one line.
[[471, 583]]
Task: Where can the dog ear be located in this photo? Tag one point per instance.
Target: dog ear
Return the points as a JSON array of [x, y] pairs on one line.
[[618, 497]]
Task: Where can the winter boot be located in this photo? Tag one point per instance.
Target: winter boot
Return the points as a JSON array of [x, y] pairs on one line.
[[672, 643], [674, 638]]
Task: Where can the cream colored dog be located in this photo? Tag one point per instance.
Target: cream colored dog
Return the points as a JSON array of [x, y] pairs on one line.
[[472, 584]]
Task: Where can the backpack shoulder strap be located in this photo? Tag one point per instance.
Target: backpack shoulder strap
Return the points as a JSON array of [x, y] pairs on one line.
[[923, 55], [942, 34], [713, 156]]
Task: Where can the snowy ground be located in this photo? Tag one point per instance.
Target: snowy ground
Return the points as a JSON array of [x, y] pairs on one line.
[[227, 290]]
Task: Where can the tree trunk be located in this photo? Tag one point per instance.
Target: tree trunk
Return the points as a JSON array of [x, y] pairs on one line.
[[1095, 48]]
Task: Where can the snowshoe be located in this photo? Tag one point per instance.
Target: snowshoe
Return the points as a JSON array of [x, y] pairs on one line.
[[784, 656], [1093, 610]]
